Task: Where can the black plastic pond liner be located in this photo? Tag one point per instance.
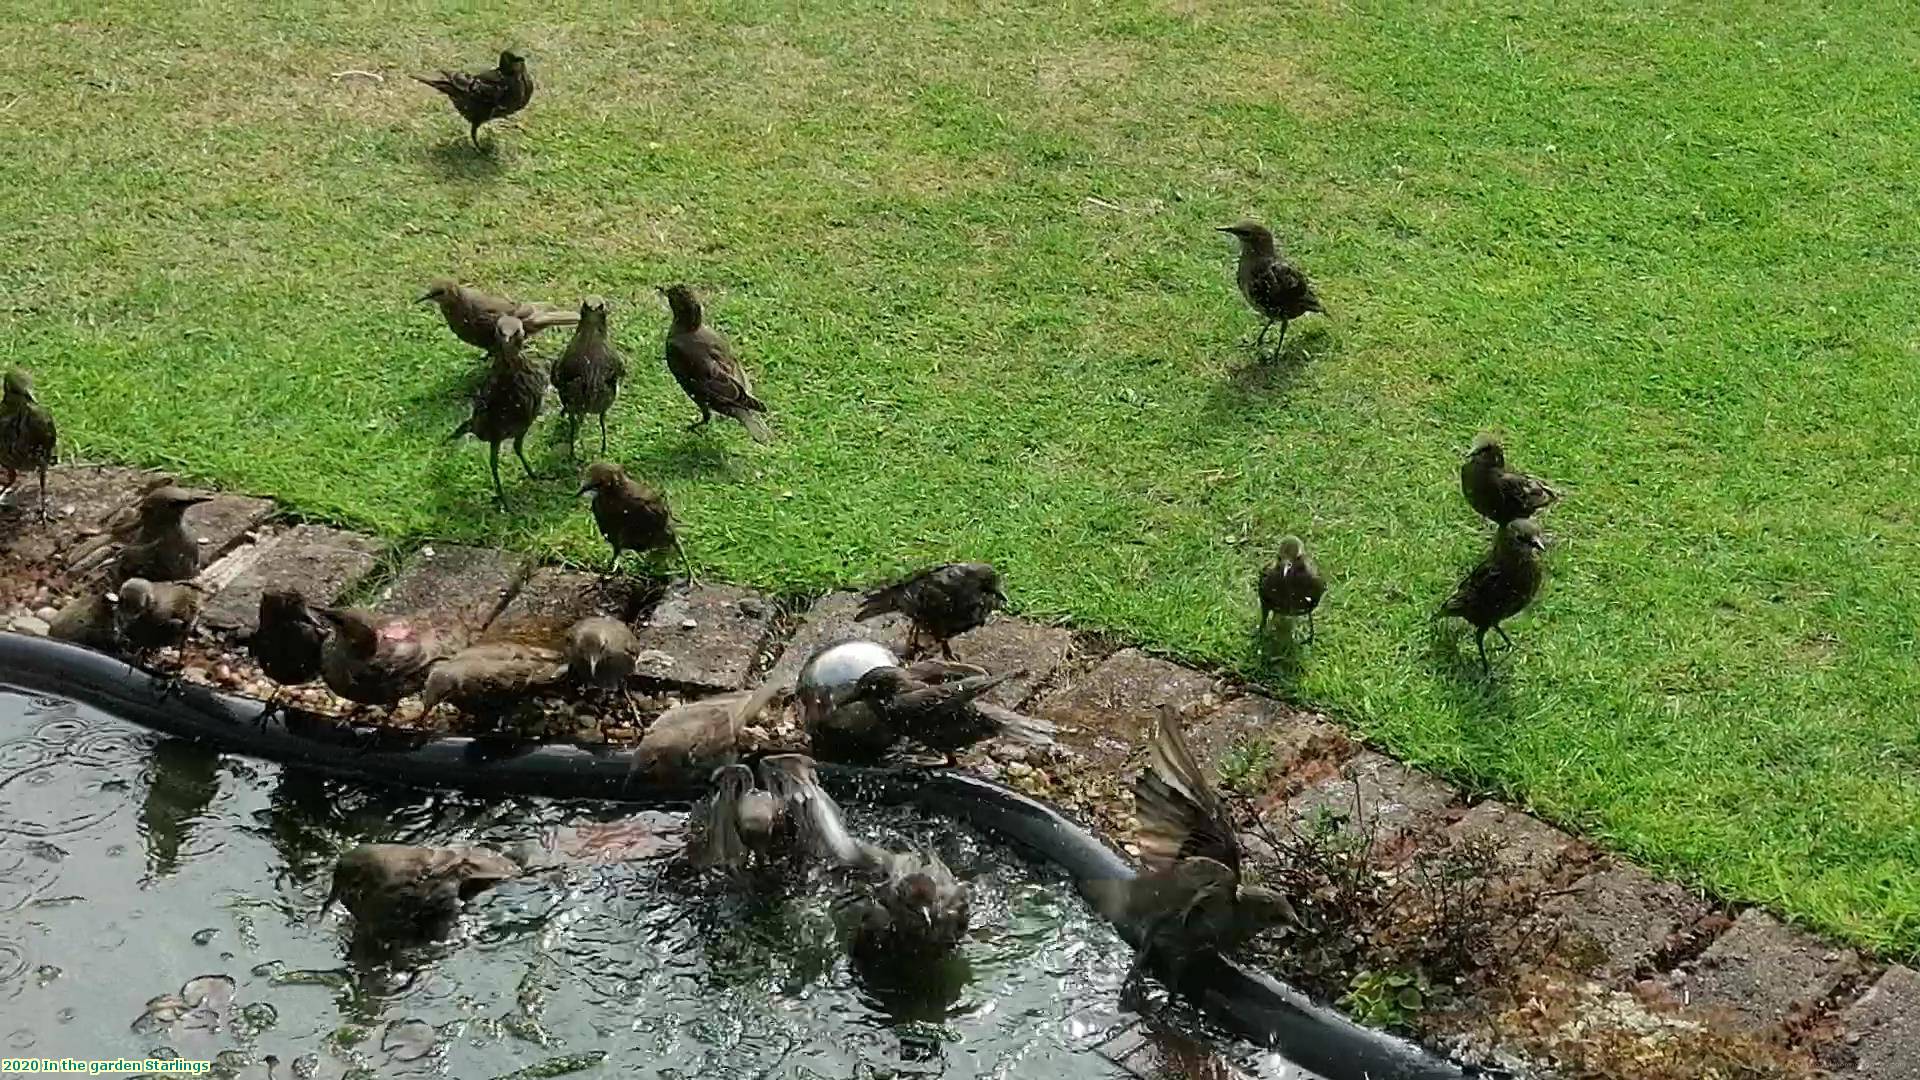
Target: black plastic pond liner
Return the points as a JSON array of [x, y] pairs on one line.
[[1251, 1004]]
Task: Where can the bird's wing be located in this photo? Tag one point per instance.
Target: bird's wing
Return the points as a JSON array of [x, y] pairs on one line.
[[1478, 580], [1180, 814], [1525, 490]]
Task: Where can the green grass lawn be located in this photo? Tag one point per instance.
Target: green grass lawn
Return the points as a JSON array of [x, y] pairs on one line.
[[968, 252]]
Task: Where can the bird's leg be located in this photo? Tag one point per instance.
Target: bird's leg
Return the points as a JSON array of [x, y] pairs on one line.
[[946, 650], [685, 561], [1281, 341], [1480, 639], [519, 452], [706, 417], [1261, 341], [474, 135], [633, 709], [1264, 615], [603, 434], [573, 438], [614, 563], [1498, 629], [266, 710], [43, 495], [1309, 627], [493, 463]]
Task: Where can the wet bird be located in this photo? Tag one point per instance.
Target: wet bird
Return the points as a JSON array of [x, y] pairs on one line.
[[1274, 287], [916, 909], [948, 716], [288, 641], [692, 738], [587, 375], [149, 615], [1192, 895], [508, 402], [942, 602], [474, 317], [86, 620], [155, 544], [856, 731], [1503, 583], [735, 826], [370, 662], [492, 681], [630, 515], [486, 95], [812, 825], [702, 362], [27, 435], [1497, 493], [1292, 586], [409, 891]]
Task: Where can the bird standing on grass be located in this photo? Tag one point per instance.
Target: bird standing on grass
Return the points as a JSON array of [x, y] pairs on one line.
[[588, 373], [702, 362], [943, 602], [1292, 586], [1497, 493], [1503, 583], [374, 663], [486, 95], [1192, 895], [508, 402], [474, 317], [27, 435], [630, 515], [288, 642], [1273, 286]]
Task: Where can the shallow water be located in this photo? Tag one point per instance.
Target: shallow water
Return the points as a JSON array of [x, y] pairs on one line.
[[161, 900]]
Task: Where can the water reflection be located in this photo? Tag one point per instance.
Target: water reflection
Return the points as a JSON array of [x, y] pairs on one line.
[[607, 950]]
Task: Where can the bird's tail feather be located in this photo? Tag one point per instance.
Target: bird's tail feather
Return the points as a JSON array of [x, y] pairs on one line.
[[756, 427], [465, 428], [441, 83], [541, 320], [879, 602]]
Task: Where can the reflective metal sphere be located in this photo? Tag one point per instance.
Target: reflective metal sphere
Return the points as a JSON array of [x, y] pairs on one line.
[[829, 676]]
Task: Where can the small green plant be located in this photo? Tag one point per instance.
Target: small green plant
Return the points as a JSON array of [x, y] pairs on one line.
[[1244, 768], [1385, 999]]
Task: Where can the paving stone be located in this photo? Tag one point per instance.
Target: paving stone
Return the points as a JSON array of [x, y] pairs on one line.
[[706, 636], [454, 587], [1883, 1028], [1108, 713], [322, 563], [223, 521], [1291, 735], [1762, 971], [1011, 644], [829, 621], [1375, 788], [1527, 844], [1626, 915], [80, 498], [564, 597]]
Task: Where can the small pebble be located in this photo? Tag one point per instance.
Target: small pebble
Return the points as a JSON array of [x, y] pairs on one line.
[[47, 614], [688, 624], [31, 625]]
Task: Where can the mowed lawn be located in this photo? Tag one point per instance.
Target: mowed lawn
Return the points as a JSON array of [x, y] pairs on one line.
[[967, 249]]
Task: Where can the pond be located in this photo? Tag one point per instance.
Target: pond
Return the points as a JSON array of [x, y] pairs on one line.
[[158, 899]]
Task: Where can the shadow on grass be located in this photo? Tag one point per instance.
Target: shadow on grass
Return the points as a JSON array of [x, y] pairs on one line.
[[456, 159], [1256, 381], [1478, 691], [694, 453]]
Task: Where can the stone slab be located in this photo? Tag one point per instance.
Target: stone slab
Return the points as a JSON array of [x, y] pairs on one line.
[[1527, 845], [1109, 713], [1376, 788], [561, 598], [80, 499], [829, 621], [1291, 735], [1761, 972], [456, 588], [707, 636], [1011, 644], [1883, 1028], [1626, 916], [322, 563], [224, 521]]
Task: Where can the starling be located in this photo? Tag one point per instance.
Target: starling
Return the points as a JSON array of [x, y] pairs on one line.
[[631, 516], [150, 615], [696, 736], [155, 543], [944, 716], [735, 826], [288, 642], [508, 401], [1191, 895], [86, 620], [812, 825], [373, 663], [602, 651], [1502, 585], [410, 891], [919, 909], [587, 375], [1274, 287], [492, 680], [486, 95], [1496, 493], [27, 434], [702, 362], [944, 602], [474, 317], [1292, 586]]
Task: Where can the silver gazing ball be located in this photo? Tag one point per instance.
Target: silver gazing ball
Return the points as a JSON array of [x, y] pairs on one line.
[[829, 676]]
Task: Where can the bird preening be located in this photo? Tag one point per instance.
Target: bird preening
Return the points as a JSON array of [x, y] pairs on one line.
[[482, 96]]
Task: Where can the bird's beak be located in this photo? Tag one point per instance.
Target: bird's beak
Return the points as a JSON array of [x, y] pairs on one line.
[[584, 488], [1224, 229], [593, 667], [196, 500], [423, 298]]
